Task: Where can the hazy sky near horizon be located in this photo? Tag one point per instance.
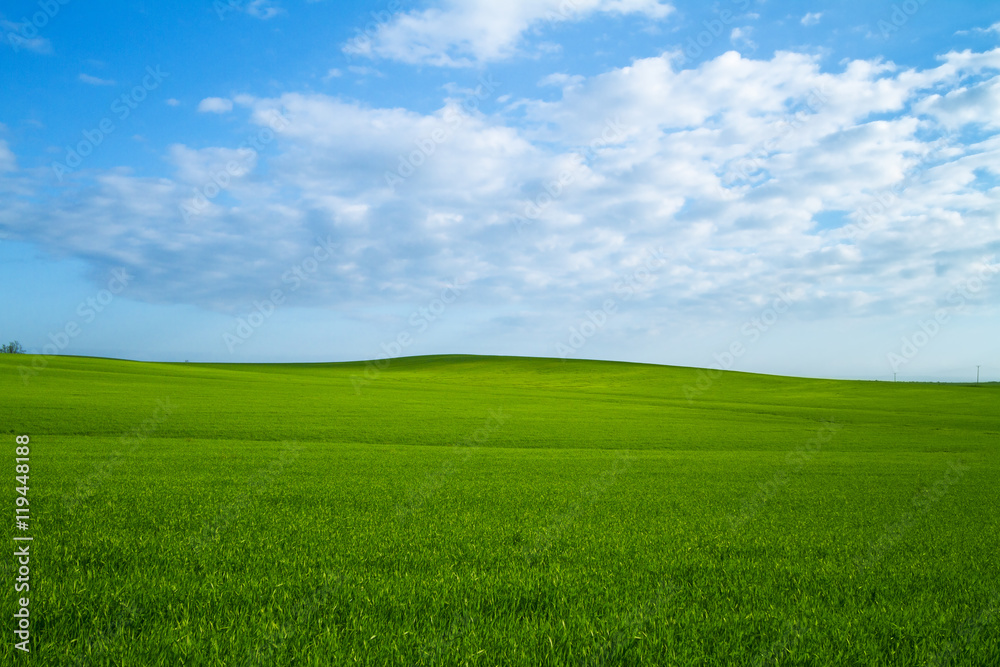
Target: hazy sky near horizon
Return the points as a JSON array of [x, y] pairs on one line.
[[743, 184]]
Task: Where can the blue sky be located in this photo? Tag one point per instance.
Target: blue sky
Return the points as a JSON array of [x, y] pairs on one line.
[[764, 186]]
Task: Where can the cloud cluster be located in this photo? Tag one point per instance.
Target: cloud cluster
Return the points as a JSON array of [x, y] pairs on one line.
[[24, 36], [465, 32], [811, 18], [94, 81], [215, 105], [7, 160], [262, 9], [864, 190]]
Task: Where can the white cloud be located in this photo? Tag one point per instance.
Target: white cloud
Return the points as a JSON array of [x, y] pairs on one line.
[[215, 105], [463, 32], [263, 9], [7, 160], [980, 31], [95, 81], [976, 105], [729, 165], [364, 71], [198, 167], [561, 80], [740, 37], [811, 18], [173, 102], [12, 33]]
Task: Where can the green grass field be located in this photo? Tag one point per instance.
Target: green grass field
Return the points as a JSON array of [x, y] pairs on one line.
[[500, 511]]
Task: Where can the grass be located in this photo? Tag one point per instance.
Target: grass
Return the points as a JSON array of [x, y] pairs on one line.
[[494, 510]]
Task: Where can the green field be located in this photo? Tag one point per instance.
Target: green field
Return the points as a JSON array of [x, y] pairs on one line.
[[500, 511]]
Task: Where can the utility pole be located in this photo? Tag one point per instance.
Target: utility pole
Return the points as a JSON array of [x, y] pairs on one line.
[[977, 375], [893, 377]]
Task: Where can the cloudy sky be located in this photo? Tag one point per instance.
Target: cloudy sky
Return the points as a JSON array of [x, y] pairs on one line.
[[747, 184]]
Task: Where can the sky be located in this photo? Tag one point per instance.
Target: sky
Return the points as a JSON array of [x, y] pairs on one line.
[[792, 188]]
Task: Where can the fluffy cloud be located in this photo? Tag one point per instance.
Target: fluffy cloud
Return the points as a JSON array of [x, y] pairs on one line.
[[463, 32], [7, 160], [811, 18], [262, 9], [977, 104], [740, 38], [94, 81], [215, 105], [13, 33], [754, 174]]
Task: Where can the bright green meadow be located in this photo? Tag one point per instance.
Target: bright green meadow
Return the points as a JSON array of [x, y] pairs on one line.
[[460, 510]]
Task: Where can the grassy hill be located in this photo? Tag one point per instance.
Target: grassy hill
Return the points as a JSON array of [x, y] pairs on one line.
[[503, 510], [438, 400]]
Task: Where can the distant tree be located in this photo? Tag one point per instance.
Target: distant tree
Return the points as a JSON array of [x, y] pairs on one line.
[[12, 348]]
